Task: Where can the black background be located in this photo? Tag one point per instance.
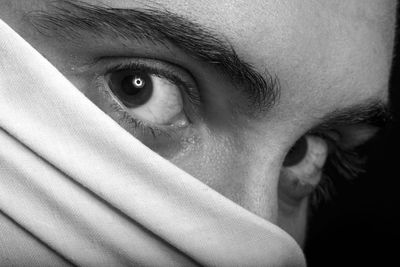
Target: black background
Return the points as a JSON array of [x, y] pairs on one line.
[[360, 226]]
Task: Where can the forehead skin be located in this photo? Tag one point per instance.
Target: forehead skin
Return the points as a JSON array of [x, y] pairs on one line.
[[327, 54]]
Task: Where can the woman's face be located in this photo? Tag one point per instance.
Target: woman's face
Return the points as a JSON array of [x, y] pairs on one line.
[[224, 89]]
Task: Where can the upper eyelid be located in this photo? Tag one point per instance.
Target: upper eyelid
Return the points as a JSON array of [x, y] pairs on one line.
[[347, 137], [356, 135], [164, 69], [98, 64], [370, 114]]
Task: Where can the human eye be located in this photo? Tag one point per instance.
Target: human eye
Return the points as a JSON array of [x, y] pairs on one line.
[[316, 160], [152, 99], [302, 168]]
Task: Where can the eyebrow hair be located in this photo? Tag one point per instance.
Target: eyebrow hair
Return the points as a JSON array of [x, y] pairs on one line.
[[372, 112], [70, 19]]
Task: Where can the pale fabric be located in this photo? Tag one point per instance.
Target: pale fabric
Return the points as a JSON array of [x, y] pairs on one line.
[[77, 189]]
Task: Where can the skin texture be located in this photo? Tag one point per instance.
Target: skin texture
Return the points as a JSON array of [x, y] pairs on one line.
[[328, 55]]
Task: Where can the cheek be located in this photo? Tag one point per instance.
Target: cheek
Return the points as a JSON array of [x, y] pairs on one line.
[[214, 161], [208, 159], [232, 169]]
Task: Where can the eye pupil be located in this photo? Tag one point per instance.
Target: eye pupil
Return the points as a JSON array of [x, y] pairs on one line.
[[296, 153], [134, 84], [132, 88], [139, 82]]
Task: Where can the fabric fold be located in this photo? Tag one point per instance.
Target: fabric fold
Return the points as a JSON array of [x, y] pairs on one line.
[[86, 192]]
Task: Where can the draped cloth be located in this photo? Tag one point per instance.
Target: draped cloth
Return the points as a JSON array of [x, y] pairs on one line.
[[77, 189]]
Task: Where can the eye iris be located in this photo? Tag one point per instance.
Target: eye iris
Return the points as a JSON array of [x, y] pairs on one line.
[[132, 88], [296, 153]]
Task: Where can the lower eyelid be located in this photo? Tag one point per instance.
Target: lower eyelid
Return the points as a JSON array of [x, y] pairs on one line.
[[292, 188]]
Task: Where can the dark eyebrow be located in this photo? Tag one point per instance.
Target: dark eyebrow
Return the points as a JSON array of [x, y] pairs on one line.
[[70, 19], [371, 112]]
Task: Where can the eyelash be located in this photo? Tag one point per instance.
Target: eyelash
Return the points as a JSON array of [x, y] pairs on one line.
[[188, 91], [342, 165]]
